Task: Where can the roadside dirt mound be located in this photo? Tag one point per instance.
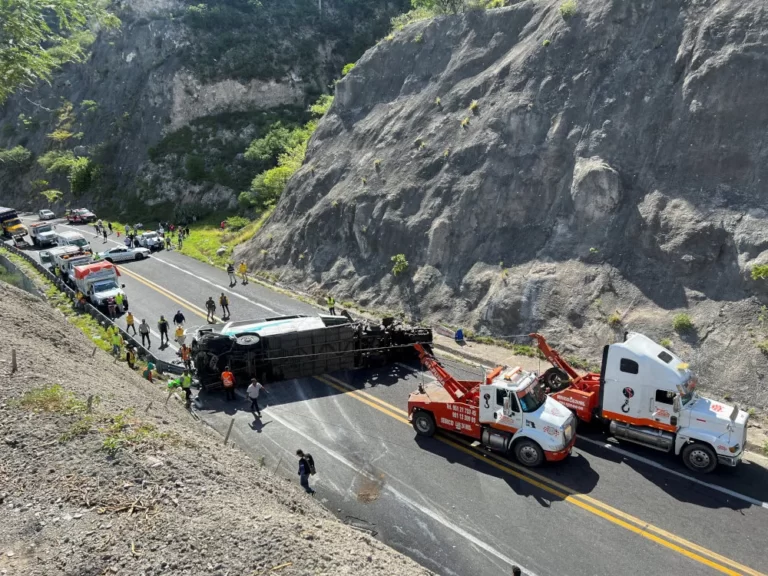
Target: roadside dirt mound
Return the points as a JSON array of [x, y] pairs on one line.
[[133, 488]]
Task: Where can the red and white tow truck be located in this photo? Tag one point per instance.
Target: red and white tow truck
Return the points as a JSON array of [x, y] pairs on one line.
[[647, 395], [509, 412]]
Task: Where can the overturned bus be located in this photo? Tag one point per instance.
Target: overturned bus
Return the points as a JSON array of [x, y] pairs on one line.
[[285, 347]]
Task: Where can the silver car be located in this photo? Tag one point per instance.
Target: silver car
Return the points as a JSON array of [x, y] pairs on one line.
[[123, 254]]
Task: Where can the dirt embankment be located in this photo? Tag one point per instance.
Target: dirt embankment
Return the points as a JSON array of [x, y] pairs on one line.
[[130, 488]]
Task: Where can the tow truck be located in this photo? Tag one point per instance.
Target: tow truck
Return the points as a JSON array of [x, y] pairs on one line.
[[508, 411], [42, 234], [647, 395]]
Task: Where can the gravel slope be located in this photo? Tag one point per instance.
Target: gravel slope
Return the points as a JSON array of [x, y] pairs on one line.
[[171, 500]]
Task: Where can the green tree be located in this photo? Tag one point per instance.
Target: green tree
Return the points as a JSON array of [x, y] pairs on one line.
[[15, 157], [439, 6], [38, 36], [52, 196]]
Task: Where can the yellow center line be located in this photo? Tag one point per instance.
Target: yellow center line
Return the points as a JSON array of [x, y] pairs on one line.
[[171, 296], [587, 503], [583, 501]]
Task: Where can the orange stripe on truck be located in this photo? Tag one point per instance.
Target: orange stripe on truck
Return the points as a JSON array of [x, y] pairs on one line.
[[639, 421]]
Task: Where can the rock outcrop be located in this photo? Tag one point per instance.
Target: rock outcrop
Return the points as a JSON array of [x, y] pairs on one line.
[[548, 173]]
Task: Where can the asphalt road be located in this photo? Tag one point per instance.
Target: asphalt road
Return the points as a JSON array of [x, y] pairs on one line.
[[456, 509]]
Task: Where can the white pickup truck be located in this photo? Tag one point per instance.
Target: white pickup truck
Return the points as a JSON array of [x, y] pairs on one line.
[[42, 234]]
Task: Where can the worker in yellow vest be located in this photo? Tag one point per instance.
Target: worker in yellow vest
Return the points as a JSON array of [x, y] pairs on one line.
[[179, 335], [331, 305], [243, 271], [186, 385], [117, 342]]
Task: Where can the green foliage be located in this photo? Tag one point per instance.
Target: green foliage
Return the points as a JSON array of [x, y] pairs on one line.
[[278, 140], [418, 38], [759, 272], [235, 223], [465, 122], [57, 162], [568, 9], [39, 183], [195, 167], [52, 398], [60, 136], [79, 171], [15, 157], [399, 264], [89, 106], [614, 320], [377, 165], [321, 107], [347, 68], [763, 346], [52, 196], [546, 43], [666, 343], [30, 123], [438, 102], [38, 36], [682, 323], [473, 106]]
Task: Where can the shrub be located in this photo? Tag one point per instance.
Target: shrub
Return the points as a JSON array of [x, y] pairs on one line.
[[237, 223], [546, 43], [80, 176], [438, 102], [323, 104], [614, 319], [682, 323], [568, 9], [399, 264], [763, 346], [465, 122], [377, 165], [347, 68], [57, 162], [195, 166], [473, 106], [15, 157], [760, 272], [51, 398], [666, 343], [52, 196], [89, 106], [418, 38]]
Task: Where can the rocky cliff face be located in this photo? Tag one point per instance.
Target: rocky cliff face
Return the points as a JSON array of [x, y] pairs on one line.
[[182, 80], [609, 174]]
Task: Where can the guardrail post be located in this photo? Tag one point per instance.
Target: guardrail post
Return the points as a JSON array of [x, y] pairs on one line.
[[229, 431], [14, 367]]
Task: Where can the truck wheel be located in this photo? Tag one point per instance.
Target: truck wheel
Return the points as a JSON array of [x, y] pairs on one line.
[[699, 458], [556, 379], [423, 423], [529, 453]]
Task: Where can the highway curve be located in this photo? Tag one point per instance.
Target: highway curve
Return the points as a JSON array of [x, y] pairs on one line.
[[456, 509]]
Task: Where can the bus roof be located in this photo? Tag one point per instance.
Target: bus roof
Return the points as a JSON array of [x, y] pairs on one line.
[[273, 326]]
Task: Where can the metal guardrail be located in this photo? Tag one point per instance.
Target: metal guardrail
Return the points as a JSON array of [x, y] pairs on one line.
[[98, 315]]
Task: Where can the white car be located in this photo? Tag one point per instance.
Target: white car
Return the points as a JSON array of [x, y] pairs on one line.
[[46, 215], [151, 240], [122, 254]]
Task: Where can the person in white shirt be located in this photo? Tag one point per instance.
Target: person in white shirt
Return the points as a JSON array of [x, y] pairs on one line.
[[254, 388]]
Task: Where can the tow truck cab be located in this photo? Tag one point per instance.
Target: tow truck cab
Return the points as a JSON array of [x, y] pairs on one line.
[[649, 396]]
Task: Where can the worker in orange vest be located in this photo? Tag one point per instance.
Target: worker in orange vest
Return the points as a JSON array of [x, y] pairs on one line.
[[228, 379], [186, 356]]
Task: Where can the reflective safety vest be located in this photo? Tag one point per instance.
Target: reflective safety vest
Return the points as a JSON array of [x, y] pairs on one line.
[[185, 352], [129, 319], [119, 299], [117, 339], [179, 332], [331, 302], [228, 379], [186, 382], [242, 268]]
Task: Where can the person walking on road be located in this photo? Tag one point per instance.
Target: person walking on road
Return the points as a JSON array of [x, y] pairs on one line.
[[181, 239], [168, 243], [228, 379], [331, 305], [144, 331], [231, 272], [254, 388], [224, 303], [109, 225], [104, 234], [179, 335], [243, 271], [306, 467], [129, 324], [210, 307], [162, 326], [178, 318]]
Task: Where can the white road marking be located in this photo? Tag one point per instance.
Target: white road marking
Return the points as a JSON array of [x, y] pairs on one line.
[[436, 516], [626, 454], [218, 287], [658, 466]]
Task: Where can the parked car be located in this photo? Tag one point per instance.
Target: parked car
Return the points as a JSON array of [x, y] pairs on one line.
[[46, 215], [123, 254], [80, 216], [151, 240]]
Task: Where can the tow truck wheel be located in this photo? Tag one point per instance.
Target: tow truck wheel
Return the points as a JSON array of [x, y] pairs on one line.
[[423, 423], [556, 379], [699, 457], [529, 453]]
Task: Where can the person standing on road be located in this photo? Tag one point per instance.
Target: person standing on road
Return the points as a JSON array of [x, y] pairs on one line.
[[144, 331], [119, 300], [331, 305], [210, 307], [104, 234], [231, 272], [186, 385], [186, 356], [111, 308], [306, 467], [228, 379], [129, 324], [181, 239], [109, 225], [168, 242], [162, 326], [224, 303], [179, 335], [243, 271], [254, 388], [178, 318]]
